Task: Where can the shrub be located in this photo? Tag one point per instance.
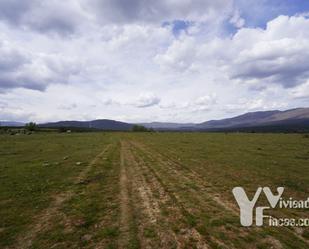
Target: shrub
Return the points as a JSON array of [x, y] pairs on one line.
[[140, 128], [31, 126]]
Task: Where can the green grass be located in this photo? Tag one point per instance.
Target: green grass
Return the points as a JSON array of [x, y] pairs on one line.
[[248, 160], [191, 168], [27, 185]]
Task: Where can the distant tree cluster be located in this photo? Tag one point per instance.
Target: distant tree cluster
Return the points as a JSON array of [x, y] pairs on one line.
[[140, 128], [31, 126]]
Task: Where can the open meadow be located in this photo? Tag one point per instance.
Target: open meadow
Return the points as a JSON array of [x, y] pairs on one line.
[[147, 190]]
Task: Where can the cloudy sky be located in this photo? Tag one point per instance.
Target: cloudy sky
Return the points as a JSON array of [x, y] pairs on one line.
[[145, 60]]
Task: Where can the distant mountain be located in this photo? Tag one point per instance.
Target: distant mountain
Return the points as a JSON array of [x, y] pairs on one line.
[[101, 124], [9, 123], [289, 120], [164, 125], [255, 119]]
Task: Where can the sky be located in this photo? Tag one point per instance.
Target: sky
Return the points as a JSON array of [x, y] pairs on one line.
[[143, 60]]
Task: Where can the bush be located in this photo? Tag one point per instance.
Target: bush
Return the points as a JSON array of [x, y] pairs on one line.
[[31, 126], [140, 128]]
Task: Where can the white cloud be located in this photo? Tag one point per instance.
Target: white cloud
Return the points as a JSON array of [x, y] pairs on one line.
[[65, 18], [147, 100], [26, 69], [179, 56], [278, 54], [141, 11], [301, 91], [236, 20], [52, 16], [205, 103], [105, 53]]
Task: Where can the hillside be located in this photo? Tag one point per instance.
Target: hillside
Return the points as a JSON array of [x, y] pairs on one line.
[[100, 124], [297, 116], [9, 123], [289, 120], [166, 125]]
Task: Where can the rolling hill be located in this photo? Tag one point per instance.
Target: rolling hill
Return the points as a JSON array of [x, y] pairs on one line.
[[100, 124], [166, 125], [289, 120], [11, 123], [297, 116]]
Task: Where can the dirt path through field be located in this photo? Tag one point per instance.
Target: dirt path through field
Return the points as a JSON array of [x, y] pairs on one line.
[[204, 187], [160, 219], [43, 220], [201, 192], [125, 208], [190, 175]]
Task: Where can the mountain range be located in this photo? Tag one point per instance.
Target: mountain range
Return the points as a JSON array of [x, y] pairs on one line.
[[11, 123], [262, 120], [100, 124]]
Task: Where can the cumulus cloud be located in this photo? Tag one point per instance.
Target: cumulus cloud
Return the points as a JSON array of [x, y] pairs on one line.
[[180, 55], [24, 69], [68, 107], [277, 54], [65, 17], [56, 16], [236, 20], [301, 91], [10, 59], [176, 53], [143, 11], [13, 11], [13, 113], [205, 102], [53, 16], [147, 100]]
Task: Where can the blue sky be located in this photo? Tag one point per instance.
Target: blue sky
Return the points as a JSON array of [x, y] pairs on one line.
[[139, 61], [258, 13], [178, 26], [255, 13]]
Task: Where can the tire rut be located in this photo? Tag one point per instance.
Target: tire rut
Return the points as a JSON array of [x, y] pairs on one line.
[[154, 197], [206, 188], [174, 169], [125, 208], [191, 175]]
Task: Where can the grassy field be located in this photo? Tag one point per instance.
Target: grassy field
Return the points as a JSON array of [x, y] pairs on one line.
[[146, 190]]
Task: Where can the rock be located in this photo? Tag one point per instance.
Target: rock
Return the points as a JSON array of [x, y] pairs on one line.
[[46, 164], [65, 158], [79, 222], [299, 230], [78, 163], [86, 237]]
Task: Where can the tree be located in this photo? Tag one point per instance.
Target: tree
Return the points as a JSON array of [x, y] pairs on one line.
[[139, 128], [31, 126]]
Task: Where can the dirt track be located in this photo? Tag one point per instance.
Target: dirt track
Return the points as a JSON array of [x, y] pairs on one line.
[[157, 210]]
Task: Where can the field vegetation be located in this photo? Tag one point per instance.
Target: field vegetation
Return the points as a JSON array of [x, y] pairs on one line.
[[146, 190]]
